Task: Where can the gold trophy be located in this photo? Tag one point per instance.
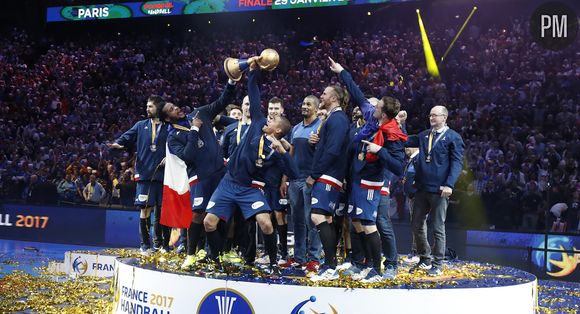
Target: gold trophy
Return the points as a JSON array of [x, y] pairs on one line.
[[235, 68], [269, 59]]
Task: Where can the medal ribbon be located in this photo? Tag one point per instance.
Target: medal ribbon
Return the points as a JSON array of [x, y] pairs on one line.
[[261, 148], [239, 136], [429, 147], [154, 130], [431, 144]]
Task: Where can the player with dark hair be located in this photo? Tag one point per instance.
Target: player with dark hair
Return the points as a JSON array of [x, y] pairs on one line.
[[193, 140], [379, 151], [243, 183], [149, 137]]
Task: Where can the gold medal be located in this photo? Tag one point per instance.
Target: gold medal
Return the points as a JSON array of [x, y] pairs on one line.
[[153, 147], [259, 162], [428, 159]]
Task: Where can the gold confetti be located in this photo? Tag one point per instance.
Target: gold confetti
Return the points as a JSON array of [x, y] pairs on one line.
[[50, 293]]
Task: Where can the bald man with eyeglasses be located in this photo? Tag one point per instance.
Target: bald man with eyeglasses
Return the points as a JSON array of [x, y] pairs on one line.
[[438, 167]]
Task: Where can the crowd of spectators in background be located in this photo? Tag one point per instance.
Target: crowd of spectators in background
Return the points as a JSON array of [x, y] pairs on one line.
[[515, 104]]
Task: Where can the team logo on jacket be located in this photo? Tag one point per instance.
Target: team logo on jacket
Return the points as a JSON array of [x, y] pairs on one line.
[[200, 143]]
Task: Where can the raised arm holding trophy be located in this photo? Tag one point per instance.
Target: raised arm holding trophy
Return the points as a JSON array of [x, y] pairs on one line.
[[235, 68]]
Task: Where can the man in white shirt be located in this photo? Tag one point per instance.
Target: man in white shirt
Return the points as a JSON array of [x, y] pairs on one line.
[[94, 191]]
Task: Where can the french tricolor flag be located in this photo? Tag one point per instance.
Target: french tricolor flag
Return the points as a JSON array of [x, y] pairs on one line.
[[176, 206]]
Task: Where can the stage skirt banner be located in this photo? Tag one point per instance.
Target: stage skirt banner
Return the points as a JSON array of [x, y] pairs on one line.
[[139, 290]]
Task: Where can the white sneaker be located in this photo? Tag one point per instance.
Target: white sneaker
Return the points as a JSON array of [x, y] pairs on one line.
[[411, 259], [420, 266], [372, 277], [351, 271], [145, 252], [263, 260], [363, 274], [344, 266], [390, 273], [328, 274], [188, 262]]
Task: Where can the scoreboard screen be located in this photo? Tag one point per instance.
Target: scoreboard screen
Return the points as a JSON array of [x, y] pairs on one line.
[[184, 7]]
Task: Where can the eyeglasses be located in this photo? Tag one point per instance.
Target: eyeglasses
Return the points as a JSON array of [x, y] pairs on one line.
[[435, 115]]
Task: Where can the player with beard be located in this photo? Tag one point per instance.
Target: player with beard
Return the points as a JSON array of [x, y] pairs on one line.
[[328, 172], [149, 137], [193, 140], [379, 151]]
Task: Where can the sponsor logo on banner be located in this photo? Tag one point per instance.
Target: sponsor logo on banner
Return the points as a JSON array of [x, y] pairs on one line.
[[225, 301], [560, 264], [157, 8], [298, 308], [91, 265], [80, 265]]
